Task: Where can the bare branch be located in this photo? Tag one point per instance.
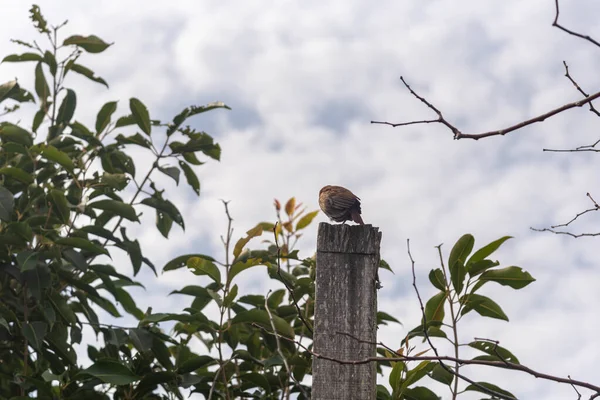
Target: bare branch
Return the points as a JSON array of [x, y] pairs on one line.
[[496, 364], [476, 136], [552, 229], [570, 32], [579, 89]]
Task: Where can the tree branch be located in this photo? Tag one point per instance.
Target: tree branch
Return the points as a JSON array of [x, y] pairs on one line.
[[476, 136], [570, 32]]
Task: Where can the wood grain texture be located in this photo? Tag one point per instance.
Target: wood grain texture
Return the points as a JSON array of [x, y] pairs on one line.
[[345, 301]]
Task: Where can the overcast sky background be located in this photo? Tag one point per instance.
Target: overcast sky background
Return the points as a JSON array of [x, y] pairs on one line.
[[305, 79]]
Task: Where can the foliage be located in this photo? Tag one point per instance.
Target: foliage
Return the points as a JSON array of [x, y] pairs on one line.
[[458, 282], [69, 197]]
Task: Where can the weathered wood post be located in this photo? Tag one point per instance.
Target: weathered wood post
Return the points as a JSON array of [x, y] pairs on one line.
[[345, 301]]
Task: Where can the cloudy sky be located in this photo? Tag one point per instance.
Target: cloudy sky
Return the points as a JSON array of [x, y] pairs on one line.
[[304, 80]]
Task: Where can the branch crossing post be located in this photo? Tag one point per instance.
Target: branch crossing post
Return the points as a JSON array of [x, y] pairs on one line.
[[345, 301]]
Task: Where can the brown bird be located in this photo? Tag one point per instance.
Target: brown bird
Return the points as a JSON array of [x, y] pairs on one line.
[[340, 204]]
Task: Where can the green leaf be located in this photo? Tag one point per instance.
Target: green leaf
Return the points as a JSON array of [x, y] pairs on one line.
[[190, 177], [261, 317], [104, 116], [38, 20], [35, 332], [114, 181], [125, 121], [22, 57], [112, 372], [172, 172], [196, 362], [41, 85], [490, 387], [240, 266], [483, 305], [162, 354], [67, 108], [128, 304], [230, 296], [181, 261], [436, 277], [60, 304], [60, 205], [478, 267], [395, 378], [38, 118], [91, 44], [164, 223], [383, 393], [117, 207], [514, 277], [252, 233], [442, 375], [7, 89], [434, 309], [194, 110], [254, 379], [416, 374], [81, 243], [136, 139], [165, 206], [201, 266], [384, 265], [7, 204], [419, 393], [51, 153], [51, 62], [88, 73], [456, 261], [81, 131], [487, 250], [17, 173], [497, 352], [27, 260], [140, 115], [382, 317], [306, 220], [21, 229], [15, 134]]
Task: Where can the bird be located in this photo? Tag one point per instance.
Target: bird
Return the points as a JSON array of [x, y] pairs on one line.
[[340, 204]]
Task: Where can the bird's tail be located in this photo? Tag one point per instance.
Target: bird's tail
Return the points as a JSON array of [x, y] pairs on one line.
[[356, 217]]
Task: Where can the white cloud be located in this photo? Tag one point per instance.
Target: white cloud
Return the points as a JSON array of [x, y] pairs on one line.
[[305, 81]]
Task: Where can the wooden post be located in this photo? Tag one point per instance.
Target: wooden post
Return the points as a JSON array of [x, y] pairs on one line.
[[345, 301]]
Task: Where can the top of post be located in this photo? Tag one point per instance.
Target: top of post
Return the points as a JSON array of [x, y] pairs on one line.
[[353, 239]]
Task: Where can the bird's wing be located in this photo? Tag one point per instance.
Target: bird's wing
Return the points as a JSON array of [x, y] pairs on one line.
[[341, 202]]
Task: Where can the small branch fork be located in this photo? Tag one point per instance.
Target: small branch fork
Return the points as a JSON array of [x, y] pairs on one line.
[[570, 32], [496, 364], [476, 136], [458, 134], [553, 229]]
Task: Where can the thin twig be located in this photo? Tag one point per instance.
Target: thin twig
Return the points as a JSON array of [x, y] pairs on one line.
[[579, 89], [570, 32], [460, 135], [403, 358], [552, 229], [575, 389]]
